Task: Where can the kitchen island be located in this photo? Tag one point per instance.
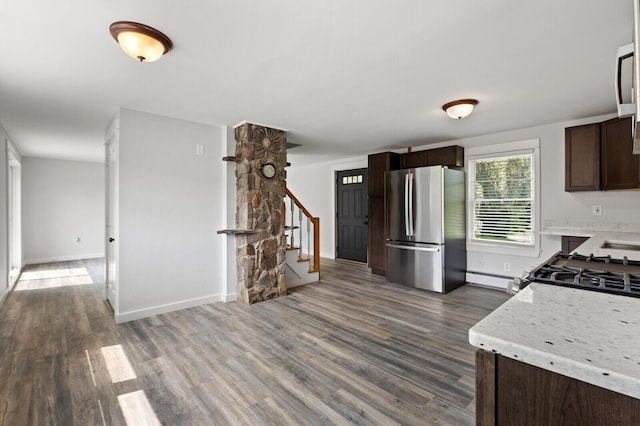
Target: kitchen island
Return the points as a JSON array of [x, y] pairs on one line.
[[556, 355]]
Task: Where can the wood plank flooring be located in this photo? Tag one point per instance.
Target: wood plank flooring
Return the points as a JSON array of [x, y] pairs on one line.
[[351, 349]]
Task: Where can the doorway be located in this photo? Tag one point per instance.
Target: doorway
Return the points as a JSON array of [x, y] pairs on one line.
[[14, 216], [351, 215], [111, 214]]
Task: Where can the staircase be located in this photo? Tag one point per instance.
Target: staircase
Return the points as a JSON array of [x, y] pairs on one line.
[[303, 242]]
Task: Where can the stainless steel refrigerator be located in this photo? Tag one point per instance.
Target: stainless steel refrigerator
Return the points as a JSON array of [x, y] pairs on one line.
[[425, 225]]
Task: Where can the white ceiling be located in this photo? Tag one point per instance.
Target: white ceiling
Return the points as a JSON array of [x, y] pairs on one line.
[[347, 77]]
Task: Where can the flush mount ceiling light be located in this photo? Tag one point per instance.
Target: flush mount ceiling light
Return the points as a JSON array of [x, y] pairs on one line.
[[459, 109], [139, 41]]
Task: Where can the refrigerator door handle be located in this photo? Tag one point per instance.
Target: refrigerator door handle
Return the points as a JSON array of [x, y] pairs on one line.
[[407, 230], [414, 248], [410, 214]]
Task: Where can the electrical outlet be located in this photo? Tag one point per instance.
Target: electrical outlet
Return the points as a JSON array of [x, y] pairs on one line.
[[507, 266], [596, 210]]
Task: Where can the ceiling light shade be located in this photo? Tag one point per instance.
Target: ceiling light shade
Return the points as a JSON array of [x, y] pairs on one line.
[[460, 109], [139, 41]]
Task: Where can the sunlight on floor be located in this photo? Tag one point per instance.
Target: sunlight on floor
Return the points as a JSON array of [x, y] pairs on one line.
[[118, 364], [137, 409], [53, 278]]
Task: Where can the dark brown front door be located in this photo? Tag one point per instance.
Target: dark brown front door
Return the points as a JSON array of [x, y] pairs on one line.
[[351, 205]]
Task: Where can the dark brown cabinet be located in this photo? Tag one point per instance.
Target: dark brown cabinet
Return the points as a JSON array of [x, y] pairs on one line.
[[510, 392], [582, 158], [451, 156], [570, 243], [619, 168], [378, 164], [599, 156], [377, 254], [377, 251]]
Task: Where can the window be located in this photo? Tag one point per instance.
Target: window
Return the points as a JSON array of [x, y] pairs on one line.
[[502, 199], [348, 180]]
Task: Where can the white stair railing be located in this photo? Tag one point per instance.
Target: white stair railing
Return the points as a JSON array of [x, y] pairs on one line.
[[299, 216]]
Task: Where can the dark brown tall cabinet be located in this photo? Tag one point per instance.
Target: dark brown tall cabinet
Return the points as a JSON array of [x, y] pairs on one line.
[[599, 156], [378, 164], [451, 156]]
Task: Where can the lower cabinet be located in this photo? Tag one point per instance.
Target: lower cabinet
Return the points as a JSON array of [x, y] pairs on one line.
[[510, 392], [569, 244]]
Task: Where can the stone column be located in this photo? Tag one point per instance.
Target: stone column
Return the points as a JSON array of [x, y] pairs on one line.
[[261, 250]]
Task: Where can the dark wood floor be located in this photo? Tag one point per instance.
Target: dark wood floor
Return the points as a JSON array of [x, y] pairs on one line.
[[350, 349]]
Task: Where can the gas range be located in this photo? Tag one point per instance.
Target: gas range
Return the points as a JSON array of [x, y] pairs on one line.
[[596, 273]]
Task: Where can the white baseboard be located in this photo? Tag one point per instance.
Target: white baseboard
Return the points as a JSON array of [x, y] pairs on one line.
[[163, 309], [487, 280], [63, 258], [231, 297]]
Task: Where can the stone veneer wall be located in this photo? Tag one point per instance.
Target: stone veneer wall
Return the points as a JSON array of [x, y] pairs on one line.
[[261, 251]]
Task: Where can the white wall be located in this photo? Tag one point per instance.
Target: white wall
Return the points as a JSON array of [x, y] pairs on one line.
[[61, 201], [171, 204], [314, 185], [229, 275]]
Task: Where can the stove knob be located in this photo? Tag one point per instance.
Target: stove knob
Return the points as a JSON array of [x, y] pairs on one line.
[[513, 287]]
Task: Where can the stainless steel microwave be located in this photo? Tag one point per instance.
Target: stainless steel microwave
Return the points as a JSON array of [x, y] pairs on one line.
[[631, 51]]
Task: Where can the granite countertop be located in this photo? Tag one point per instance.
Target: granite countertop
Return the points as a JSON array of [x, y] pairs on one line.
[[586, 335], [598, 234]]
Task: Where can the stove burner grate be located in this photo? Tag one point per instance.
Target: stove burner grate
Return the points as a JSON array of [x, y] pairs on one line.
[[593, 274]]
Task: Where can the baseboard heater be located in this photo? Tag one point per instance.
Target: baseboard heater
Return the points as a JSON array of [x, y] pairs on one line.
[[488, 280]]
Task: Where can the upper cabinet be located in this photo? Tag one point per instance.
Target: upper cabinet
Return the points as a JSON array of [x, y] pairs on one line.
[[598, 157], [619, 168], [582, 158], [450, 156]]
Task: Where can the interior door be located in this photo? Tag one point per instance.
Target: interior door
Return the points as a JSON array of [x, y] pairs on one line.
[[111, 214], [352, 225]]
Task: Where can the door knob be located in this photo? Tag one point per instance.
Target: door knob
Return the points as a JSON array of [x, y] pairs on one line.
[[111, 239]]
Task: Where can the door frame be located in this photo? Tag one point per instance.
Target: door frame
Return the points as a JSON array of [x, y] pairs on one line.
[[14, 215], [111, 252]]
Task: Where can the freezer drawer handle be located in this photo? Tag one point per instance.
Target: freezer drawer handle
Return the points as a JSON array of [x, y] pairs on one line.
[[414, 248]]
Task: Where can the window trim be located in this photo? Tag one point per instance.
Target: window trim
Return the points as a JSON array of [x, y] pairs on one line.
[[506, 149]]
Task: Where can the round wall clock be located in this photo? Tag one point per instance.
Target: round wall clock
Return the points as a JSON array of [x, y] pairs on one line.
[[268, 170]]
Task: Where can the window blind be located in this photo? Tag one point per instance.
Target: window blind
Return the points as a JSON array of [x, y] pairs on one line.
[[503, 199]]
